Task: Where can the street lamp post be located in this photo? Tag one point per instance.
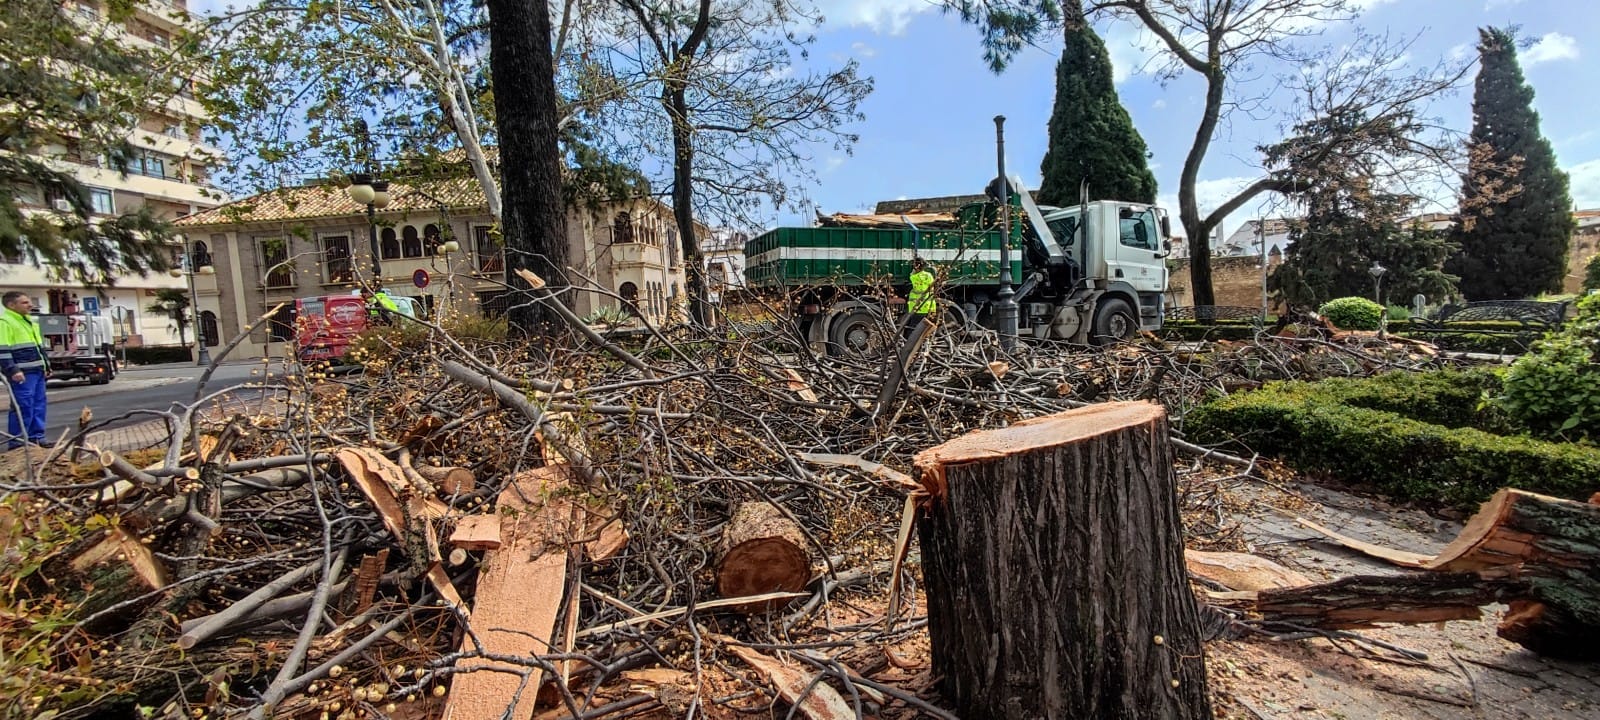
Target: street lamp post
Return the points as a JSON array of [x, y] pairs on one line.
[[189, 269], [366, 189], [1006, 303], [1377, 271]]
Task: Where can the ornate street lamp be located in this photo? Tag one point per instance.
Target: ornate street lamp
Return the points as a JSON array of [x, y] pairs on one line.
[[1377, 271], [202, 355], [366, 189]]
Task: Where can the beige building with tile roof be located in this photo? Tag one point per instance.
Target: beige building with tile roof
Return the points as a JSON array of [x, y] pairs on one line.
[[314, 240]]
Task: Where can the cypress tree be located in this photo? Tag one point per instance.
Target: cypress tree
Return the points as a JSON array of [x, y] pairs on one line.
[[1091, 136], [1516, 219]]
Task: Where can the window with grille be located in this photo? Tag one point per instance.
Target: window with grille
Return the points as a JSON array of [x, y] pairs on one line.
[[491, 257], [274, 254], [336, 259]]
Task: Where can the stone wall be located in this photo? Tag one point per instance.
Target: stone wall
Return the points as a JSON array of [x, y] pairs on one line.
[[1585, 245], [1236, 280]]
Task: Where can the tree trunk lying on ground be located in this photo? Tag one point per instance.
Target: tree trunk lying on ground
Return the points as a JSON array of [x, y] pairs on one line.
[[762, 552], [1053, 559], [1539, 553]]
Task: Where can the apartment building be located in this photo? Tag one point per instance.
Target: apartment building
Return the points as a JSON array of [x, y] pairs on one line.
[[171, 175]]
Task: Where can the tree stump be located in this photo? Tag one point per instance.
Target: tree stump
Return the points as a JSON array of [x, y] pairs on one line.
[[762, 552], [1052, 554]]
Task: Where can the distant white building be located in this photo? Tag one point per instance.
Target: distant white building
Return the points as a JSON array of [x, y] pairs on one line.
[[723, 252]]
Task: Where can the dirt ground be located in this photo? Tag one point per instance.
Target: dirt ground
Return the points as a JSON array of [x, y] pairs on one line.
[[1469, 671]]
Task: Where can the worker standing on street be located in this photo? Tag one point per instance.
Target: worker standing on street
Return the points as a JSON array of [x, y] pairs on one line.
[[920, 303], [381, 305], [25, 366]]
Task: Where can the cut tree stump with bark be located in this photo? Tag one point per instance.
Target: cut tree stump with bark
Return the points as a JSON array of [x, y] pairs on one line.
[[762, 552], [1052, 555]]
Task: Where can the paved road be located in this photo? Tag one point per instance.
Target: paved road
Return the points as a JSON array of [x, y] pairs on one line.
[[149, 387]]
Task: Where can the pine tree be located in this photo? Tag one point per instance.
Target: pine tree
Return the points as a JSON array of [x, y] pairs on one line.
[[1516, 220], [1091, 136]]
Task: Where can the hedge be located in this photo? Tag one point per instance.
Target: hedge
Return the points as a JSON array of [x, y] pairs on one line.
[[156, 354], [1452, 398], [1475, 342], [1400, 456]]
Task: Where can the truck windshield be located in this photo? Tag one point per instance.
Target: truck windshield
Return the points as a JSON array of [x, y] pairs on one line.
[[1065, 229], [1138, 229]]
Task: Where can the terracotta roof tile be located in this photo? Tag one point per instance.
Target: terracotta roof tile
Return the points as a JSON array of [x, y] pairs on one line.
[[304, 203]]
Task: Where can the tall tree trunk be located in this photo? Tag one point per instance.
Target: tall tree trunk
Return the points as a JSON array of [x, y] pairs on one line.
[[533, 222], [1053, 558], [677, 107], [1198, 230]]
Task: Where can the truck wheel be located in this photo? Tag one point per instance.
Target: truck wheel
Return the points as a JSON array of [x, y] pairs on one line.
[[1114, 322], [857, 332]]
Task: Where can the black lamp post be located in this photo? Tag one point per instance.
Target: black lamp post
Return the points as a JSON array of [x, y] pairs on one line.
[[1006, 304], [1377, 271], [366, 189]]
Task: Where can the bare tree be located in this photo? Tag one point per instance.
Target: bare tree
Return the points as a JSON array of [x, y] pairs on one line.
[[726, 108], [1379, 102]]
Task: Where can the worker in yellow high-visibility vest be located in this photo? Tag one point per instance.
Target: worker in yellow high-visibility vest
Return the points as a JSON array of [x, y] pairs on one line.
[[26, 366], [921, 302]]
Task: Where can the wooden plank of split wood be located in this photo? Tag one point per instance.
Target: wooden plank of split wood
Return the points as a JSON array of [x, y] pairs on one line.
[[137, 555], [1398, 557], [520, 589], [1238, 571], [817, 701], [477, 532]]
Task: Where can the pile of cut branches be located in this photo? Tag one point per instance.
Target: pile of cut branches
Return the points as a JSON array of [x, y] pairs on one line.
[[588, 526]]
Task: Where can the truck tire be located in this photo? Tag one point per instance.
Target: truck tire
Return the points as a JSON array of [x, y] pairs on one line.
[[856, 332], [1114, 322]]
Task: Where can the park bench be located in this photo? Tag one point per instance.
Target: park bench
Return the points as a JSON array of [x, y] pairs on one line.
[[1531, 318], [1213, 313]]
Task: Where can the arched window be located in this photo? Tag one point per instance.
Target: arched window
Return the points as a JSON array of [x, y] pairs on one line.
[[431, 239], [410, 244], [390, 245], [208, 329], [622, 229], [630, 297]]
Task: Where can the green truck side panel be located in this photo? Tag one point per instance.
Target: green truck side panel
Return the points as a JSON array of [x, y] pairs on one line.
[[840, 262]]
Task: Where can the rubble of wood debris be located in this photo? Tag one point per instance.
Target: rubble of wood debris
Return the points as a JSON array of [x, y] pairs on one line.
[[696, 524]]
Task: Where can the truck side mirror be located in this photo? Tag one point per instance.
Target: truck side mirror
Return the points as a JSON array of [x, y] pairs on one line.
[[1166, 229]]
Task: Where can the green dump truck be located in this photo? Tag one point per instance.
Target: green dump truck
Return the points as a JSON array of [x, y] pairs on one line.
[[1091, 273]]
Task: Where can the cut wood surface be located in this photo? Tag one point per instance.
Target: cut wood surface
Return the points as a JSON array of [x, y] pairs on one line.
[[1402, 558], [762, 552], [1052, 558], [798, 686], [120, 546], [477, 532], [1238, 571], [519, 593], [449, 480]]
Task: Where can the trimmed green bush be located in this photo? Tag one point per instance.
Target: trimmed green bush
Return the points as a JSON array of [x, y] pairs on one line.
[[1313, 429], [1554, 389], [1352, 313], [1452, 398], [1591, 274], [156, 354], [1398, 313]]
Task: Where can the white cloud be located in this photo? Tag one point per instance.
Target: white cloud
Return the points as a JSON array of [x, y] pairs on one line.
[[833, 163], [882, 16], [1553, 46], [1496, 4], [1159, 104], [1460, 52], [863, 50], [1585, 186]]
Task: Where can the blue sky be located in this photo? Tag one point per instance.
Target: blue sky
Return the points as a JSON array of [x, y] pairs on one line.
[[929, 126]]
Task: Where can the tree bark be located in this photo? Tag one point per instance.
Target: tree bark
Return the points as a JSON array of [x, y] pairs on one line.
[[762, 552], [1362, 601], [534, 222], [1053, 559]]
